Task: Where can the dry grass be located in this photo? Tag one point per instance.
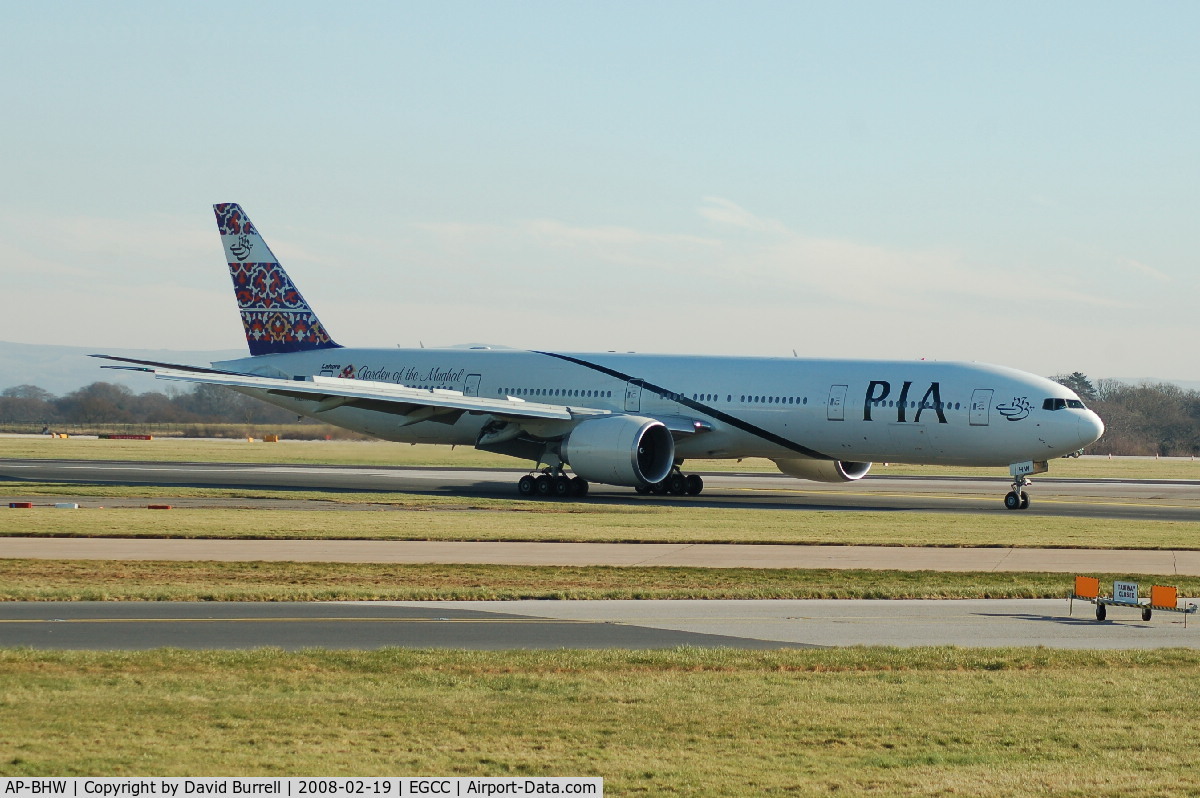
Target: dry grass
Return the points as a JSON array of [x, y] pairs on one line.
[[408, 518], [240, 450], [77, 580]]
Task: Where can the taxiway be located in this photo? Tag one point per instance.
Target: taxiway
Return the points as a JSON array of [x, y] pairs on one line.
[[584, 624], [1159, 500]]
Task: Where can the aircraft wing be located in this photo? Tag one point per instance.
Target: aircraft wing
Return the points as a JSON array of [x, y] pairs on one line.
[[410, 404]]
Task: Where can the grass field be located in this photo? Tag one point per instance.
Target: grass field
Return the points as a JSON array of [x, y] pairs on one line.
[[382, 453], [888, 722], [397, 517]]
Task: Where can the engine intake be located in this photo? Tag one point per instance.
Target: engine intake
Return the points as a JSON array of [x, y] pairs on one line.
[[620, 450], [823, 470]]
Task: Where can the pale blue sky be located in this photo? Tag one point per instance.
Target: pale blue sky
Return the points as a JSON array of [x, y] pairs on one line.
[[1006, 182]]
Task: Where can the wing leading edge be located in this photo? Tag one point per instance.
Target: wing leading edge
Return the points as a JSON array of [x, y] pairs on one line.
[[327, 393]]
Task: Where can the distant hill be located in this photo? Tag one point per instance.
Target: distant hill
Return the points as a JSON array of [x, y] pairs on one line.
[[63, 369]]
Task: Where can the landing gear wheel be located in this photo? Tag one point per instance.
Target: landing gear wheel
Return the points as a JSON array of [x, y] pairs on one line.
[[544, 485], [579, 487], [675, 483], [562, 486], [1017, 499], [1146, 613], [527, 485], [1101, 612]]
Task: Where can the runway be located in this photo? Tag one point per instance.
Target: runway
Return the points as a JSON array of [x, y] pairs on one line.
[[1158, 500], [585, 624]]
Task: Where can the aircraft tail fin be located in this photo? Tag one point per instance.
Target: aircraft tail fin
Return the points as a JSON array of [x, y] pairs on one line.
[[275, 315]]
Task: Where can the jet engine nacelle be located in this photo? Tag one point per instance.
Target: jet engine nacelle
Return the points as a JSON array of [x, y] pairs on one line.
[[824, 470], [620, 450]]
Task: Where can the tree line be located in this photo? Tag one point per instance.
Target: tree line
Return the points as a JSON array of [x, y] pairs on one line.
[[105, 403], [1148, 419]]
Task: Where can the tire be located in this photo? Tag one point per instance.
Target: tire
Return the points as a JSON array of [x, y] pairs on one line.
[[1011, 501], [579, 487], [527, 485], [676, 484], [562, 486], [642, 490], [695, 484], [1101, 612], [544, 485], [1024, 501], [1146, 613]]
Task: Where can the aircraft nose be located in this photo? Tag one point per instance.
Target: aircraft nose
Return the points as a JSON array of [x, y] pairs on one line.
[[1090, 429]]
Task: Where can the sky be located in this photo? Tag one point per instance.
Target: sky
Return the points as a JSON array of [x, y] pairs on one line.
[[1012, 183]]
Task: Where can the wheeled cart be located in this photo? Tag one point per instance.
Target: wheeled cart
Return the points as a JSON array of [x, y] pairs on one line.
[[1163, 598]]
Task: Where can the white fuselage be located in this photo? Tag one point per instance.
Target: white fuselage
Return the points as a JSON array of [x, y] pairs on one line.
[[923, 412]]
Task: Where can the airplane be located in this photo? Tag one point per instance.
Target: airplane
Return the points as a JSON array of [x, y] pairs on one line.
[[630, 419]]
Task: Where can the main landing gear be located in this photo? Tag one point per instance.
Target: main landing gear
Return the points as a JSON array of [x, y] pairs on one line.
[[675, 484], [1017, 498], [552, 484]]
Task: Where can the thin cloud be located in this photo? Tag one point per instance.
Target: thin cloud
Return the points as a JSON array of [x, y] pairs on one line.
[[860, 276], [571, 235], [1139, 268], [556, 233], [724, 212]]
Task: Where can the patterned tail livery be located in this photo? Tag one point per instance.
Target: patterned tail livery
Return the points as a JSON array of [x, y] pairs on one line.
[[275, 315]]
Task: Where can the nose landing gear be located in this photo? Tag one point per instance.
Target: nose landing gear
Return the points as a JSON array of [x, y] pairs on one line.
[[1017, 499]]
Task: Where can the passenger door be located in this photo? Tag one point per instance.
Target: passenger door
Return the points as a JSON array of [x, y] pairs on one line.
[[981, 406], [633, 396], [836, 409]]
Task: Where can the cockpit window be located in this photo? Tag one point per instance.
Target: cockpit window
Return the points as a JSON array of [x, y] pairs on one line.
[[1062, 404]]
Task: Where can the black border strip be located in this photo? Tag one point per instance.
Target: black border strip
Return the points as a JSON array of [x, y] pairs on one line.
[[732, 421]]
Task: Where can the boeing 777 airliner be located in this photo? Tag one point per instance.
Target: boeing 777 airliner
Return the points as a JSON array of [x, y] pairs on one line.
[[633, 419]]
